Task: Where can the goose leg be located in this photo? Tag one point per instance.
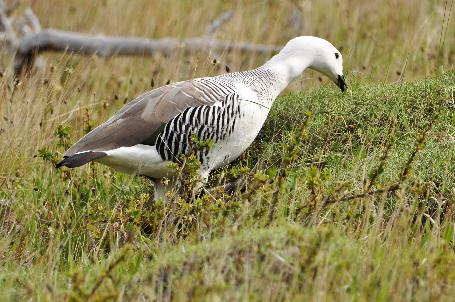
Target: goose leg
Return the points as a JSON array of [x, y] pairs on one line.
[[159, 190], [203, 177]]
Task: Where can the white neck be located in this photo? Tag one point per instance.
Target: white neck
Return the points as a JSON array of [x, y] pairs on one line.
[[287, 67]]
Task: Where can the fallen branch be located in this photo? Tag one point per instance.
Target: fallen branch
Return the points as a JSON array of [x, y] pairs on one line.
[[28, 40], [56, 40]]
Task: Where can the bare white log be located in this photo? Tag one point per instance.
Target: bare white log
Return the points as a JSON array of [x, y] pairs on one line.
[[32, 41], [57, 40]]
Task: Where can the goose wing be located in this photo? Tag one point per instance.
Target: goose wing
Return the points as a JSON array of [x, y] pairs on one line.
[[138, 121]]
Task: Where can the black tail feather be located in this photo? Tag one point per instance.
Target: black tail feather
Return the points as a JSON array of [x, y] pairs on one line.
[[80, 159]]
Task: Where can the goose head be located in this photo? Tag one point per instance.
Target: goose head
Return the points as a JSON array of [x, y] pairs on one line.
[[310, 52]]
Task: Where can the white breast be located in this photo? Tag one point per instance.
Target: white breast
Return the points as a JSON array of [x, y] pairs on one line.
[[249, 123]]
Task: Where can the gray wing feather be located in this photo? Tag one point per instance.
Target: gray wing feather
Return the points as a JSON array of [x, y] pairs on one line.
[[138, 120]]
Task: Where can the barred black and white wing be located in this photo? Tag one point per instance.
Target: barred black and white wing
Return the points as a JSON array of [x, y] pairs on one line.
[[205, 123]]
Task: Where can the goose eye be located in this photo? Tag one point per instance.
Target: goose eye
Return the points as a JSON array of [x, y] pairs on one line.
[[337, 55]]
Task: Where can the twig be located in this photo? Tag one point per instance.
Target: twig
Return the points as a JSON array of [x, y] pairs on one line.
[[411, 158], [391, 188], [297, 20], [32, 19], [229, 187], [218, 22], [29, 23], [380, 168], [212, 29], [106, 274]]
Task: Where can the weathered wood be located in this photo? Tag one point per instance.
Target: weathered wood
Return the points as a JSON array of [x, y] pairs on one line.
[[63, 41], [28, 40]]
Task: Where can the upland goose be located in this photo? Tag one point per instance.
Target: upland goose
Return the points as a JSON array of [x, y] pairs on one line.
[[153, 130]]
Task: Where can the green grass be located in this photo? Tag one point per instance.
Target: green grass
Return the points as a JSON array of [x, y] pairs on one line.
[[349, 197]]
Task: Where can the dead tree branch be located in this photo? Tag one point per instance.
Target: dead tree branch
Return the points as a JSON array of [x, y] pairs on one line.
[[28, 40], [56, 40]]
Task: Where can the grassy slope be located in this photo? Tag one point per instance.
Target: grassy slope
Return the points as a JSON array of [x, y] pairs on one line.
[[290, 235]]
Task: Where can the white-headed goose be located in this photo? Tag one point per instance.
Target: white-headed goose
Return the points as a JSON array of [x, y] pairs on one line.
[[150, 132]]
